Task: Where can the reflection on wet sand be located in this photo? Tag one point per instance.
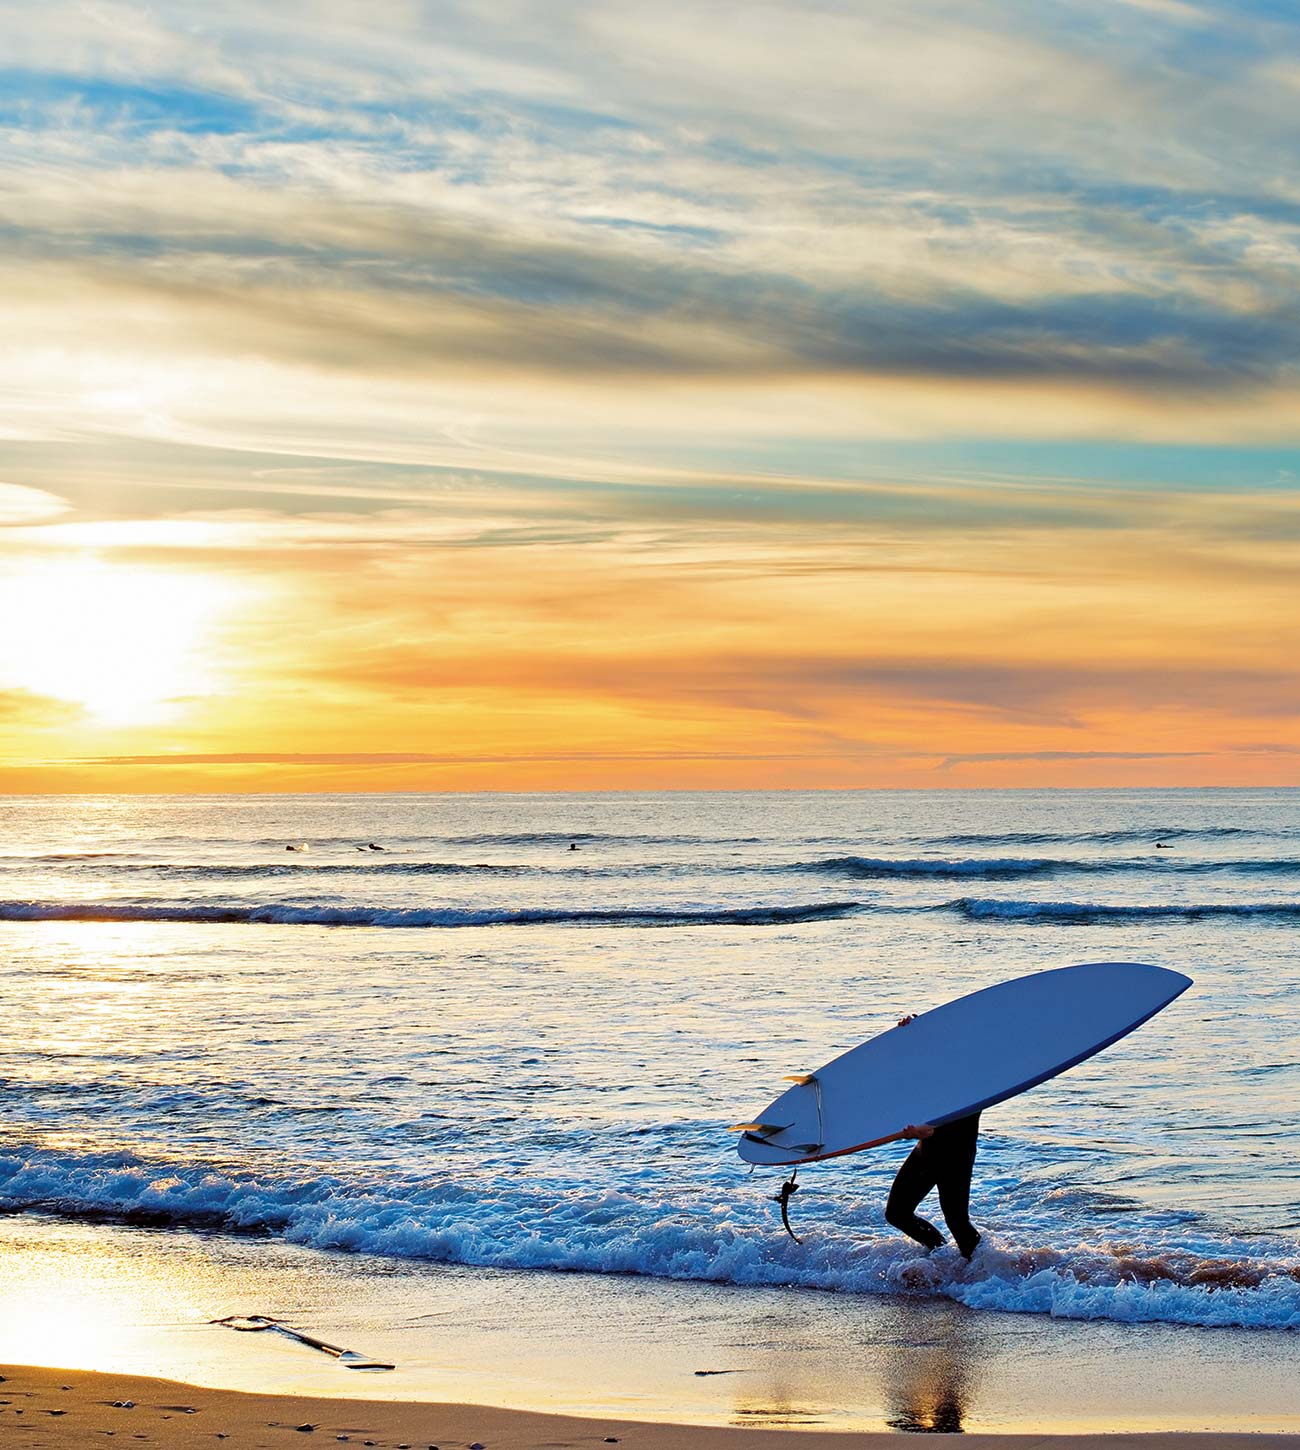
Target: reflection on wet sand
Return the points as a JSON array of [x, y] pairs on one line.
[[933, 1401], [917, 1368], [776, 1415], [928, 1385]]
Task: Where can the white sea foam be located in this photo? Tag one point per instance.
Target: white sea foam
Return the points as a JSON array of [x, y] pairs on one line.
[[503, 1225]]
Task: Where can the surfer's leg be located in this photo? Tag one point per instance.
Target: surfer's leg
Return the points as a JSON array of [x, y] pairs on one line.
[[915, 1179], [954, 1200]]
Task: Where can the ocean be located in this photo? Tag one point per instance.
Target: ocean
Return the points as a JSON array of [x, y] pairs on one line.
[[510, 1032]]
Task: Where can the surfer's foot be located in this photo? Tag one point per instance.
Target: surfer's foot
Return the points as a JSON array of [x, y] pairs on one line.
[[919, 1230], [968, 1248]]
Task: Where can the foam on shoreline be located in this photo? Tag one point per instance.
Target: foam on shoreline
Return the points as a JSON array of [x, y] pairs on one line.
[[498, 1223]]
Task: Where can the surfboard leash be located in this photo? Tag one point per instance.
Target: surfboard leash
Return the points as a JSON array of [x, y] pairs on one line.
[[783, 1196]]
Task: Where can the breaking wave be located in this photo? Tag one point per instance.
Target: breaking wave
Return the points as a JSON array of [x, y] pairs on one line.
[[971, 908], [870, 868], [843, 867], [1148, 834], [1086, 913], [285, 914], [499, 1223]]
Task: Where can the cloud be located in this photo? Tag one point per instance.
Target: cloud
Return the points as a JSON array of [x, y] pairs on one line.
[[26, 710], [1064, 694], [360, 284], [22, 505], [503, 203], [385, 761], [950, 762], [817, 683]]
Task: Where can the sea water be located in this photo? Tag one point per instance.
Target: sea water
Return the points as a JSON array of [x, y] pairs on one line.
[[512, 1031]]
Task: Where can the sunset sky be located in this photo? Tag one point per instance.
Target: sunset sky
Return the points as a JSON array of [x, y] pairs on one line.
[[567, 395]]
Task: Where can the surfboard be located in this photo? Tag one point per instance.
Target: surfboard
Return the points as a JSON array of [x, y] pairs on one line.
[[958, 1059]]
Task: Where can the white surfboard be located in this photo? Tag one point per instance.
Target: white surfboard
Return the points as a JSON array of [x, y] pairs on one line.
[[957, 1059]]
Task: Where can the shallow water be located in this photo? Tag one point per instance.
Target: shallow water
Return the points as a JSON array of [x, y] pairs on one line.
[[478, 1046]]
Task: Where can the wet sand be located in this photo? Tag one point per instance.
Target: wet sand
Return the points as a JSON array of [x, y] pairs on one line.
[[131, 1301], [54, 1409]]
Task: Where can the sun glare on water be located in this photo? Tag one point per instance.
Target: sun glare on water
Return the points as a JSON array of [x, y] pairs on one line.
[[129, 645]]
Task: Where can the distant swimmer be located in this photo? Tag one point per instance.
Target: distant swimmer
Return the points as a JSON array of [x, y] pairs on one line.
[[573, 845], [944, 1158], [1160, 846], [370, 846], [302, 846]]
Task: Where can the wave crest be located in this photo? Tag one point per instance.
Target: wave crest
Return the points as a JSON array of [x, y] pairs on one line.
[[1148, 834], [872, 868], [497, 1223], [284, 914], [1012, 868], [1067, 913]]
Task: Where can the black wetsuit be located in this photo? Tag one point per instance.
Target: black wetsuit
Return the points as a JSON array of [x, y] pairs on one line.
[[943, 1161]]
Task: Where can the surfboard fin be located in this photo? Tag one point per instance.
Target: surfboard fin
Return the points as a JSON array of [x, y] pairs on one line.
[[803, 1079], [760, 1130]]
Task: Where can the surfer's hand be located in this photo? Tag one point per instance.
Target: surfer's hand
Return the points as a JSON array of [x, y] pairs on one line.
[[903, 1021], [919, 1131]]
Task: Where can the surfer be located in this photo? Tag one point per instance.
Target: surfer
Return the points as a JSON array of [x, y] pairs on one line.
[[944, 1158]]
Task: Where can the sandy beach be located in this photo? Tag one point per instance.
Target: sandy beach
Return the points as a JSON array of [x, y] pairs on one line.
[[53, 1409]]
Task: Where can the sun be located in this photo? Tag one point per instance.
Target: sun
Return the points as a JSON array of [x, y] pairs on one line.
[[130, 645]]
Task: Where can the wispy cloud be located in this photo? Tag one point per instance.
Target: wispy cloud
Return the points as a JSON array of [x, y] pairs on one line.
[[386, 760], [950, 762], [26, 710], [524, 206]]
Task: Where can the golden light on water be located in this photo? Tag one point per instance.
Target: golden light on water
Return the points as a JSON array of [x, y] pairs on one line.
[[128, 645]]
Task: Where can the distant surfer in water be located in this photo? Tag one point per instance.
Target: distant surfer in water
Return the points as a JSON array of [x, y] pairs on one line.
[[944, 1158]]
